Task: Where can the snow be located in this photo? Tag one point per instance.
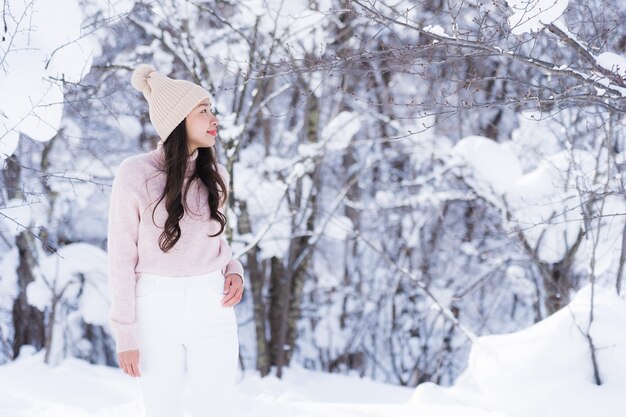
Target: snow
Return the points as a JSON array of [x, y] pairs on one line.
[[544, 202], [256, 182], [338, 133], [492, 162], [130, 125], [612, 62], [524, 373], [338, 227], [535, 138], [522, 284], [544, 370], [49, 44], [8, 138], [435, 30], [228, 129], [109, 8], [16, 216], [532, 15], [29, 388], [76, 276]]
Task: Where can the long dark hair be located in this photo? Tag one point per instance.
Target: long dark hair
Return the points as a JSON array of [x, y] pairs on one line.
[[175, 167]]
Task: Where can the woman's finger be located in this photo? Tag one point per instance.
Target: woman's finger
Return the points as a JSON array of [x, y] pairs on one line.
[[232, 295], [124, 367], [228, 297], [135, 368]]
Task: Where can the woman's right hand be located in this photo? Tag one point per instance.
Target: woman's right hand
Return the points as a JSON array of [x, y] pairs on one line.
[[129, 362]]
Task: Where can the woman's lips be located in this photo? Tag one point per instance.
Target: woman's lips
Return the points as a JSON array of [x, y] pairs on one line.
[[211, 132]]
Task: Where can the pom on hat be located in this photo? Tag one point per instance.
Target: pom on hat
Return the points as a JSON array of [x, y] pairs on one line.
[[138, 79]]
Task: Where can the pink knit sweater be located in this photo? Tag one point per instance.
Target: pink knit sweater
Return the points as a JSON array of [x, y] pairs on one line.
[[133, 239]]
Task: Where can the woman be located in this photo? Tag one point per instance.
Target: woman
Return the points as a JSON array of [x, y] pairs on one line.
[[172, 279]]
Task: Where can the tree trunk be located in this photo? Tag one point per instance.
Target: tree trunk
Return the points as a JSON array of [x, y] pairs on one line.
[[28, 322]]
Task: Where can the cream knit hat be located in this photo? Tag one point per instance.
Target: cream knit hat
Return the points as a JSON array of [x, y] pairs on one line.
[[170, 100]]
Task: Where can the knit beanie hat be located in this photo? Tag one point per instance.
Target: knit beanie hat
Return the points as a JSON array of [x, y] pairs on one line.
[[170, 100]]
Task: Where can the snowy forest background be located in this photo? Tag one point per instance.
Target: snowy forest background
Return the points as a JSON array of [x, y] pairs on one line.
[[406, 175]]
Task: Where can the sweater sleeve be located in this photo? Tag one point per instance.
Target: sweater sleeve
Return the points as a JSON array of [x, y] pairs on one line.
[[123, 229], [233, 266]]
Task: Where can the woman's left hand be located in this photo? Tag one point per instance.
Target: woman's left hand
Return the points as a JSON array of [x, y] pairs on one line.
[[233, 288]]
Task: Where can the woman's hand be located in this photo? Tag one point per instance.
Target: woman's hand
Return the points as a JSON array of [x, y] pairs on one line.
[[129, 362], [233, 288]]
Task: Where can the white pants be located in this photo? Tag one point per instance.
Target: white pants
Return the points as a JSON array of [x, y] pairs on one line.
[[185, 336]]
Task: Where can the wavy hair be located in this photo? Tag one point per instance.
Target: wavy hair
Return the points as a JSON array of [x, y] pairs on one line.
[[175, 167]]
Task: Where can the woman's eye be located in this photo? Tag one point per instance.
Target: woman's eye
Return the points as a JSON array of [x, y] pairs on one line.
[[203, 110]]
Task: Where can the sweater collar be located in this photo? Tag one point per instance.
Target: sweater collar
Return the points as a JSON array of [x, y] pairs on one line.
[[191, 159]]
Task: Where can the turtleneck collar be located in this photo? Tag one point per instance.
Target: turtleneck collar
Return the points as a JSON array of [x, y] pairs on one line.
[[191, 159], [193, 156]]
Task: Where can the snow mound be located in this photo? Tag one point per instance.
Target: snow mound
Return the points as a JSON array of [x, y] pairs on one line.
[[546, 369], [493, 163]]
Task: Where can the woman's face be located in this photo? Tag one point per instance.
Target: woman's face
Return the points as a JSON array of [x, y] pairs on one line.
[[201, 127]]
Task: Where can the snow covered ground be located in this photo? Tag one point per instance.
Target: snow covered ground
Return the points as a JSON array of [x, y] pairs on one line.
[[544, 370]]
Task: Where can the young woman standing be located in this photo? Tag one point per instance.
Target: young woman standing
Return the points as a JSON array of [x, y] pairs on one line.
[[173, 281]]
